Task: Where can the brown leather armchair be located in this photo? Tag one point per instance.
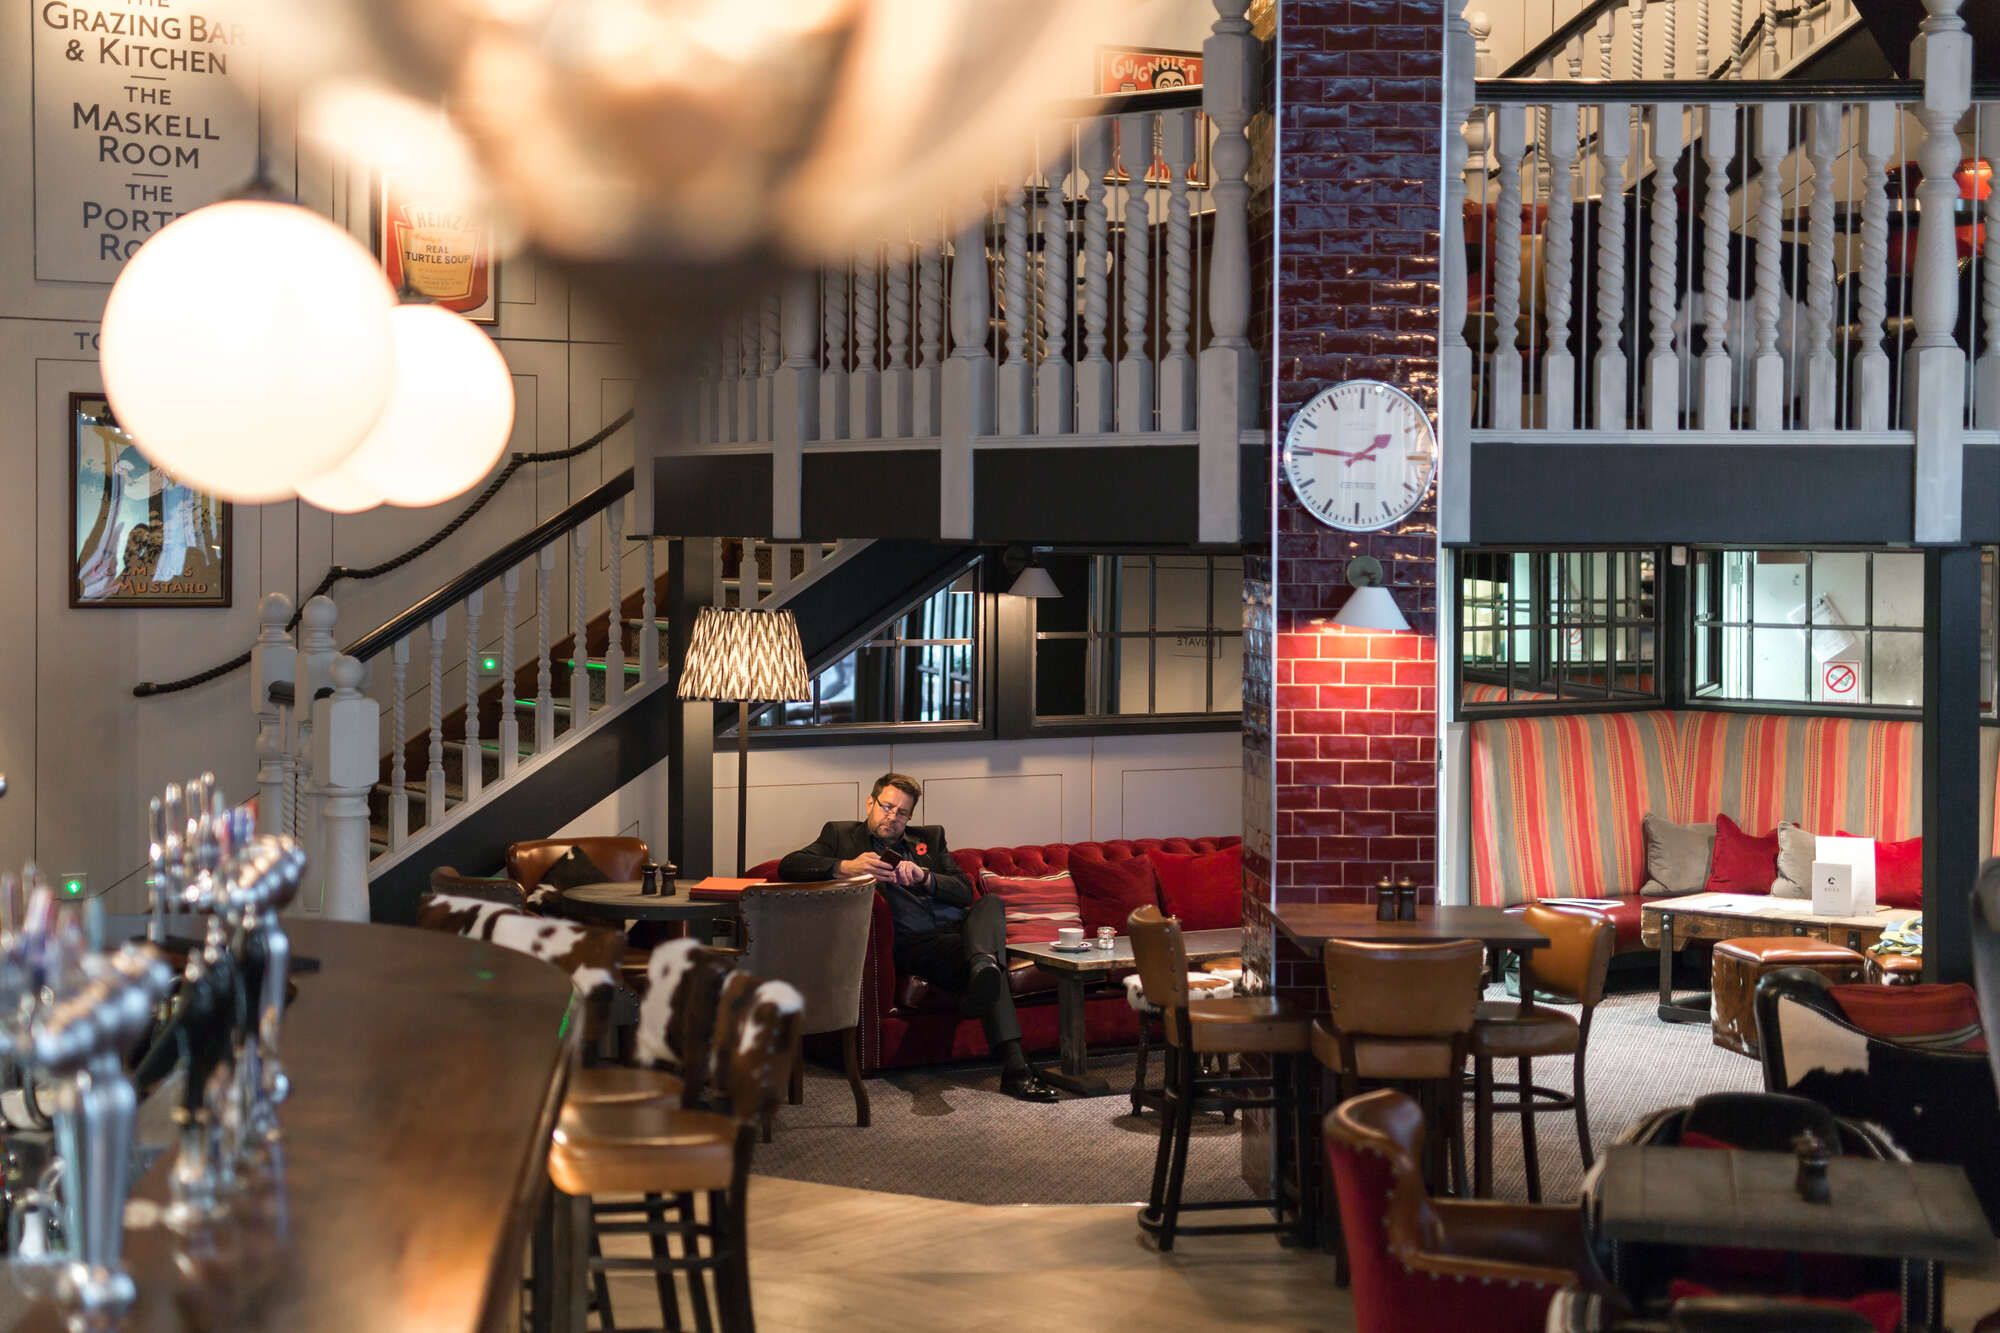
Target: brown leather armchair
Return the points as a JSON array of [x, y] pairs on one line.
[[618, 858], [492, 889], [1421, 1264]]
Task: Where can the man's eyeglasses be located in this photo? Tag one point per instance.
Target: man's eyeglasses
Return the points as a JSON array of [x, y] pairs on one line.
[[892, 811]]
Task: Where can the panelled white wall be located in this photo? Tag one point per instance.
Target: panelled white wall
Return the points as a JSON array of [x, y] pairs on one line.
[[985, 793]]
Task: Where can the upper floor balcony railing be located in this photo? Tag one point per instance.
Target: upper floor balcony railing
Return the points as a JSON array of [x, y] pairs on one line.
[[1103, 298], [1739, 258]]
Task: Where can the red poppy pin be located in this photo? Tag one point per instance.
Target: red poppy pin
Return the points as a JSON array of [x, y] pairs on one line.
[[923, 849]]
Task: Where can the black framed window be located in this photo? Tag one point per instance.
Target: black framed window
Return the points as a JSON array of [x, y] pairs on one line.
[[923, 665], [1536, 628], [1149, 635], [1841, 629]]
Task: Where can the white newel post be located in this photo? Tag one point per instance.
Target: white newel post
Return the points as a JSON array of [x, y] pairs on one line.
[[1455, 366], [968, 381], [1942, 58], [344, 768], [273, 661], [795, 402], [1230, 398], [311, 670]]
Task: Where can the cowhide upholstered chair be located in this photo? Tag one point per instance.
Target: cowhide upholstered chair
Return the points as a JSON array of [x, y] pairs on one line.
[[658, 1149], [487, 888]]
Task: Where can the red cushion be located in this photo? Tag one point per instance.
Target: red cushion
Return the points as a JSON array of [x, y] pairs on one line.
[[1109, 891], [1899, 872], [1742, 863], [1036, 908], [1883, 1309], [1942, 1015], [1203, 889]]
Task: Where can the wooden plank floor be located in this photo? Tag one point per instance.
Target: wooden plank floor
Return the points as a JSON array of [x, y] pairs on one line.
[[829, 1257]]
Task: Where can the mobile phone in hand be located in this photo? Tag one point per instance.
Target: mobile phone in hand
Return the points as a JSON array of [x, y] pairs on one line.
[[892, 856]]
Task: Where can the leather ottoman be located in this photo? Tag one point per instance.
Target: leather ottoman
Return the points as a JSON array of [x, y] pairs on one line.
[[1739, 963], [1895, 969]]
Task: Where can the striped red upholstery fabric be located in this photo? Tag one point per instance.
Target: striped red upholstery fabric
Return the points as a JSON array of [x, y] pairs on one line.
[[1557, 802], [1484, 692]]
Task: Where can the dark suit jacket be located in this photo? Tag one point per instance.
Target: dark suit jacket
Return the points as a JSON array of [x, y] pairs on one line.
[[938, 905]]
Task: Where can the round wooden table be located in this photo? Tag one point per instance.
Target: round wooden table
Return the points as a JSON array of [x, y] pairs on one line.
[[620, 900]]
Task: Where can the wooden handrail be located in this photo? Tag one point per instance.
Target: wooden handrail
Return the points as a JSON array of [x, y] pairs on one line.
[[1593, 92], [492, 567]]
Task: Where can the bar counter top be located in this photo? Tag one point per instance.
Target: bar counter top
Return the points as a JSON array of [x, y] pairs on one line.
[[426, 1071]]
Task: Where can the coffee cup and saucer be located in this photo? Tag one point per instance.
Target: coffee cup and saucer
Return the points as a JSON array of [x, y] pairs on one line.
[[1069, 939]]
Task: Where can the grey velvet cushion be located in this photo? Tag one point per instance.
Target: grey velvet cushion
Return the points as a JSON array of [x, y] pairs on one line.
[[1795, 858], [1677, 856]]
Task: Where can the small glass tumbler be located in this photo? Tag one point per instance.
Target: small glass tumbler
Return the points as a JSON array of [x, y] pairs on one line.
[[1107, 938]]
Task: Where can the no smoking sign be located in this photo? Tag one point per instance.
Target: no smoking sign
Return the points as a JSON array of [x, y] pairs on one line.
[[1838, 680]]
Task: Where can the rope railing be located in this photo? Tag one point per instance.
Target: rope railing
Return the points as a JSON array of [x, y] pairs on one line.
[[342, 573]]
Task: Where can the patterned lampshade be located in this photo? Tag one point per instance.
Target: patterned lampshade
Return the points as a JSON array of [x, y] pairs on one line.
[[738, 655]]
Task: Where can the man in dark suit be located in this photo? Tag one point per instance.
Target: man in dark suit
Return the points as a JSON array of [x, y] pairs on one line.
[[943, 933]]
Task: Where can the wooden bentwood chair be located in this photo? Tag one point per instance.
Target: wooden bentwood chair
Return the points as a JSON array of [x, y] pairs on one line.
[[1260, 1025], [1572, 968]]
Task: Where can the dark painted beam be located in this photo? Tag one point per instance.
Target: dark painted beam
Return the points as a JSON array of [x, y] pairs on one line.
[[1138, 494], [1679, 490], [861, 492], [712, 495], [1950, 758]]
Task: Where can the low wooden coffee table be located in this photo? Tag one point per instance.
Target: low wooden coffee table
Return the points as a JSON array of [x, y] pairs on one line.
[[1668, 923], [1074, 971]]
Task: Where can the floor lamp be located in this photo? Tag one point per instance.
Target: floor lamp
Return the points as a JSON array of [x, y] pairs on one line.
[[744, 656]]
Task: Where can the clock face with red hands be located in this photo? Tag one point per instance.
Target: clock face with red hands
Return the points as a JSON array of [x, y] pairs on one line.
[[1361, 455]]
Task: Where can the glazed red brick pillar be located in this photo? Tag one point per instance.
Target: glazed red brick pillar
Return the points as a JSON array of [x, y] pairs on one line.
[[1349, 718]]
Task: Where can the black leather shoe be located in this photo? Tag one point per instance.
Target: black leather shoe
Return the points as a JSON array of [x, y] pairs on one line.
[[1026, 1086], [984, 985]]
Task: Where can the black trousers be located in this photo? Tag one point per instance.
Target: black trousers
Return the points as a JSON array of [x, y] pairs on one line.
[[944, 958]]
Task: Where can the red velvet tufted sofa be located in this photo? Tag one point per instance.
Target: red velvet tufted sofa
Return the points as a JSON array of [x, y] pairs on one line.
[[906, 1021]]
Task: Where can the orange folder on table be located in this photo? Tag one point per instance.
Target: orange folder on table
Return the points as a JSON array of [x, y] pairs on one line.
[[718, 887]]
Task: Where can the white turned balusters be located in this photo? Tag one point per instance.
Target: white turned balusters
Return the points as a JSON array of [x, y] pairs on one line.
[[1823, 145], [579, 622], [833, 380], [1135, 368], [1013, 379], [1054, 383], [767, 361], [1559, 364], [1177, 373], [399, 739], [896, 397], [545, 699], [731, 371], [1771, 38], [1718, 149], [864, 391], [1614, 145], [1701, 38], [1870, 407], [1663, 381], [649, 616], [1986, 373], [1455, 405], [1636, 9], [273, 661], [1667, 42], [473, 767], [1604, 40], [925, 393], [746, 374], [434, 771], [614, 626], [1767, 370], [1094, 399], [510, 721], [1510, 135]]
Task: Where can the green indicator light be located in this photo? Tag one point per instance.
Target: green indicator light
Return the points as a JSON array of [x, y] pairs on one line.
[[73, 887], [489, 664], [483, 974]]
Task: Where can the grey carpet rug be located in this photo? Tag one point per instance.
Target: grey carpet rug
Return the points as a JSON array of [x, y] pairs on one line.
[[950, 1134]]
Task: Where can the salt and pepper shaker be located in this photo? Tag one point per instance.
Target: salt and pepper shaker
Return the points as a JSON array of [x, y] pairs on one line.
[[1814, 1155], [1385, 900], [1406, 899], [649, 879]]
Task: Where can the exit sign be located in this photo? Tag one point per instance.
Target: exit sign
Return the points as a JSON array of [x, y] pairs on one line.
[[74, 884]]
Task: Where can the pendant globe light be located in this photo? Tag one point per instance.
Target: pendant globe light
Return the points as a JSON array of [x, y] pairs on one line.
[[246, 348], [447, 422], [339, 492]]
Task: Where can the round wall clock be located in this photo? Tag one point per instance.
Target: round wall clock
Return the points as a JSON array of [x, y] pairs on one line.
[[1360, 455]]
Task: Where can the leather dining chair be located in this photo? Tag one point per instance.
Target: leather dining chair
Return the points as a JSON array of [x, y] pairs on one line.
[[815, 937], [492, 889], [618, 857], [1572, 968], [1403, 1013], [1261, 1025], [1422, 1264]]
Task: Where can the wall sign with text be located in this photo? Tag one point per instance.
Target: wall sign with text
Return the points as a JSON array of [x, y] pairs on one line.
[[143, 112], [436, 252]]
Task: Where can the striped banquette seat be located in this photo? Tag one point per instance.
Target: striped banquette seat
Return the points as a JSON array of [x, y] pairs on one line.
[[1557, 803]]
